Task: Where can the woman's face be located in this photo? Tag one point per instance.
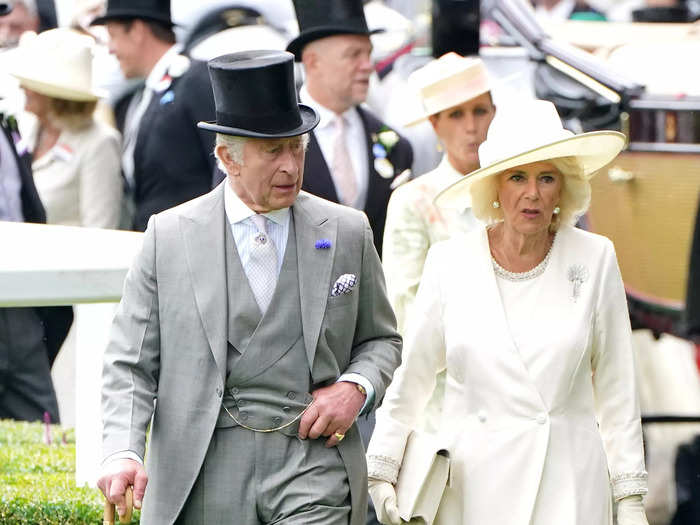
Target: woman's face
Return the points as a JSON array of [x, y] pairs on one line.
[[36, 103], [528, 195], [462, 129]]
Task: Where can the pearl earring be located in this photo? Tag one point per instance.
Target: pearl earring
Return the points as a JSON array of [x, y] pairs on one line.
[[496, 204], [557, 209]]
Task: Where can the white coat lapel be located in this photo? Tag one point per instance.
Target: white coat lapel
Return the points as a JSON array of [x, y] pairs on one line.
[[203, 232], [315, 260]]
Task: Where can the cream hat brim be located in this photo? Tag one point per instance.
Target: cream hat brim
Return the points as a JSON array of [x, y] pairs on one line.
[[59, 91], [593, 150]]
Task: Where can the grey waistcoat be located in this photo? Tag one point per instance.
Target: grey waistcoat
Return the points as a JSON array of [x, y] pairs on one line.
[[268, 376]]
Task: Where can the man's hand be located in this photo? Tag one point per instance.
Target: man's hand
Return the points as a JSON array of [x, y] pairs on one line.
[[332, 412], [116, 476]]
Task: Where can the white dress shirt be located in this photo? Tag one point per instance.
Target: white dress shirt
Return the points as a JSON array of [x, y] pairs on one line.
[[356, 142]]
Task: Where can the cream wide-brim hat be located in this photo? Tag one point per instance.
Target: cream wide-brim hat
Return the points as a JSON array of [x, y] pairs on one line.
[[56, 63], [529, 132], [444, 83]]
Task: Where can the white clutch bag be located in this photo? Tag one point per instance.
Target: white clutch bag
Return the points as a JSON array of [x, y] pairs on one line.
[[423, 476]]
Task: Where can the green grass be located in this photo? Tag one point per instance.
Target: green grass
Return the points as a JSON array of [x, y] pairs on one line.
[[37, 481]]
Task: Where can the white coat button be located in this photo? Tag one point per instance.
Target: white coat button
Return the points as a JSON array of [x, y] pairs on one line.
[[482, 416], [541, 418]]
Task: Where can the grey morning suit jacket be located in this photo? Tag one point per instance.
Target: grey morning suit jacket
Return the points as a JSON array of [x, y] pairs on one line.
[[169, 338]]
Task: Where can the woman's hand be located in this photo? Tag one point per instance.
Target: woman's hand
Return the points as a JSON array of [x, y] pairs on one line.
[[630, 511], [384, 498]]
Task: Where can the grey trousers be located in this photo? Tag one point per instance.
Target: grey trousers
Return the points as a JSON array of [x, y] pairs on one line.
[[251, 478]]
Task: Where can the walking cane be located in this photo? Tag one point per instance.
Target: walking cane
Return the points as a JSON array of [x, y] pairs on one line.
[[109, 509]]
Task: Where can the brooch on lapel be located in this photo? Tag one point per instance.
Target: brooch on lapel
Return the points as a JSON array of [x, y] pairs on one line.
[[382, 143], [578, 274], [322, 244], [344, 284]]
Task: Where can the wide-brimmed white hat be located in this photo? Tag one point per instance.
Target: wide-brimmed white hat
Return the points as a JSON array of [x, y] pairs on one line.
[[531, 131], [56, 63], [446, 82]]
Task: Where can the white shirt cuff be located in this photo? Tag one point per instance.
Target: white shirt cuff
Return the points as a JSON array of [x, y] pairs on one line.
[[123, 454], [364, 383]]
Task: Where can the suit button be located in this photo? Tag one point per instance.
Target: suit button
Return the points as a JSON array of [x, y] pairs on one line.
[[276, 420], [234, 391], [241, 402], [243, 416], [291, 395], [541, 419], [286, 409]]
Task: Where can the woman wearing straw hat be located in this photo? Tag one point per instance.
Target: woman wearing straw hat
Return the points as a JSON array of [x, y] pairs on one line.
[[76, 162], [528, 316], [456, 99]]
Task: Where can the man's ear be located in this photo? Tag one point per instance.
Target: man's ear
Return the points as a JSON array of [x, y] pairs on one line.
[[223, 154]]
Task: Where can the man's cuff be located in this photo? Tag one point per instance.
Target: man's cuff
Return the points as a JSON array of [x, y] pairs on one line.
[[123, 454], [364, 383]]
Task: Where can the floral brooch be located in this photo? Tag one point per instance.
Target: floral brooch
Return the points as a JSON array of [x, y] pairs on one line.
[[382, 143], [578, 274]]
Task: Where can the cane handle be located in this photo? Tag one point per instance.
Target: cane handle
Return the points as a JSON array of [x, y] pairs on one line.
[[110, 510]]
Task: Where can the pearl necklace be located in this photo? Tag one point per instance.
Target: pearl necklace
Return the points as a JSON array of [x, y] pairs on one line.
[[538, 270]]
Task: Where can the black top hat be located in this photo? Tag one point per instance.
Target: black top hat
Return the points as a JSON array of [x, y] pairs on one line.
[[255, 96], [158, 10], [322, 18]]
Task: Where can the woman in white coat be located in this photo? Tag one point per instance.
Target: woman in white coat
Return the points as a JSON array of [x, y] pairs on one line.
[[529, 319], [76, 158]]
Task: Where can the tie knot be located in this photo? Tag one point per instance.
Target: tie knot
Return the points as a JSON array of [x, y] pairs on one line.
[[340, 123], [260, 222]]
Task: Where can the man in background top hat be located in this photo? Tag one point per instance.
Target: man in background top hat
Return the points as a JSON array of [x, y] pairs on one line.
[[29, 337], [165, 160], [256, 316], [353, 157]]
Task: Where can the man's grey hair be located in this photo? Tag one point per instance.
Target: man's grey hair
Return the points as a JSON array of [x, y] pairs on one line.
[[235, 145]]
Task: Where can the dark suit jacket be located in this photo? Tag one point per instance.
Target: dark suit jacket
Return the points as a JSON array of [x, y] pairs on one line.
[[692, 298], [56, 320], [318, 181], [173, 159]]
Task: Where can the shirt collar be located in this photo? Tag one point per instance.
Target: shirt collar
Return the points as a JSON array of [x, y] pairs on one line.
[[327, 116], [237, 211], [161, 68]]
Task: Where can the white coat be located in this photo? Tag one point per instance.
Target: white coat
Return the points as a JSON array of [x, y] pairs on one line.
[[551, 443]]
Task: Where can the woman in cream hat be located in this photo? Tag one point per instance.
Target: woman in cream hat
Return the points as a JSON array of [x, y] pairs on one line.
[[528, 316], [76, 159], [456, 99]]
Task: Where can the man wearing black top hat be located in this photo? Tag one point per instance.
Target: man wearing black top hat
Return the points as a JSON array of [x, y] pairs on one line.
[[30, 338], [257, 318], [165, 159], [353, 157]]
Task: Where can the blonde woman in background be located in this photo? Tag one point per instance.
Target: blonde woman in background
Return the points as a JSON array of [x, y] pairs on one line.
[[528, 316], [76, 158]]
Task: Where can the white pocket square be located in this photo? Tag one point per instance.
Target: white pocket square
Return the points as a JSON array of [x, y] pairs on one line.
[[344, 284]]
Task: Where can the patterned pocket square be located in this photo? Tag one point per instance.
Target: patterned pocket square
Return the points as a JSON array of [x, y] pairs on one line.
[[344, 284]]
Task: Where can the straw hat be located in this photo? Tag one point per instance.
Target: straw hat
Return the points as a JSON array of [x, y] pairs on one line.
[[56, 63], [532, 131], [446, 82]]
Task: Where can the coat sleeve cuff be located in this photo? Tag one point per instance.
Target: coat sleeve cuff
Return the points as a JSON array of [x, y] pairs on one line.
[[383, 468], [364, 383], [629, 484]]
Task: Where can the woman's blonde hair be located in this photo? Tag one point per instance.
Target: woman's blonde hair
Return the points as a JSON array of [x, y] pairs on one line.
[[573, 202], [71, 114]]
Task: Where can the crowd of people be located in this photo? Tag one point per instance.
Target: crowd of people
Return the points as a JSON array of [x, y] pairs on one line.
[[302, 297]]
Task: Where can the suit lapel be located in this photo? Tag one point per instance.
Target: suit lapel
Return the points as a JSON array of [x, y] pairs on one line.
[[318, 180], [203, 231], [314, 267]]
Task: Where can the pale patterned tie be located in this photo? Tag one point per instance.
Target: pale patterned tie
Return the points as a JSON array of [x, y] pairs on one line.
[[262, 264], [343, 174], [132, 123]]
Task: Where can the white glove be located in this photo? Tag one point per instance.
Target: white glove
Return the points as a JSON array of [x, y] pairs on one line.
[[630, 511], [384, 498]]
